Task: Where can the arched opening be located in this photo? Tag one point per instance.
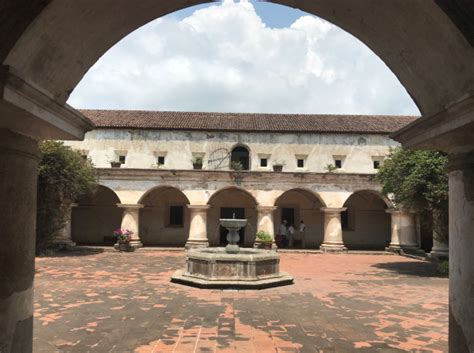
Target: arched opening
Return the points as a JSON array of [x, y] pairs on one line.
[[365, 223], [96, 217], [164, 219], [240, 158], [297, 207], [231, 203]]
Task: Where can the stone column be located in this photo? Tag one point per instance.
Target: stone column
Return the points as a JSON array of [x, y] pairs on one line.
[[198, 227], [403, 229], [333, 241], [130, 221], [64, 239], [440, 249], [461, 253], [18, 184], [265, 221]]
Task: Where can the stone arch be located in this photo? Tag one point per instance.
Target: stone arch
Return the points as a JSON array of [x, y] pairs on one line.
[[96, 217], [164, 219], [366, 224], [226, 202], [300, 204], [391, 30], [241, 153]]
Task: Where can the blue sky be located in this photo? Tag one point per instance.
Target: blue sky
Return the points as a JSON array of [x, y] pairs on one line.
[[273, 15], [241, 56]]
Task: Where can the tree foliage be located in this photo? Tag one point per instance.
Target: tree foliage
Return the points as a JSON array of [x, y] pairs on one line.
[[63, 177], [417, 180]]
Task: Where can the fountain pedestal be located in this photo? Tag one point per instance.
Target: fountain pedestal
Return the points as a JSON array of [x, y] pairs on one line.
[[232, 267]]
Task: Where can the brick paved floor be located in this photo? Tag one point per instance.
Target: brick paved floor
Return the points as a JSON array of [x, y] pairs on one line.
[[124, 302]]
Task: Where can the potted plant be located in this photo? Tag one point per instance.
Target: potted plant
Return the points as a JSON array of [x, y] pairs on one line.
[[278, 166], [115, 164], [263, 240], [124, 236], [197, 162], [236, 165], [331, 168]]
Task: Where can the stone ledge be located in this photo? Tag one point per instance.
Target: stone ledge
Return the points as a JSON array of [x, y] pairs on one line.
[[282, 280]]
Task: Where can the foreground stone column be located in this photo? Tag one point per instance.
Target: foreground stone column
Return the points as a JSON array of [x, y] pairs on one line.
[[333, 241], [64, 239], [440, 249], [18, 183], [461, 253], [130, 221], [198, 227], [403, 229], [265, 221]]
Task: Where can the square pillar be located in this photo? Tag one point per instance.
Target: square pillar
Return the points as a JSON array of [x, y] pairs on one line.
[[333, 241], [265, 221], [130, 221], [198, 228]]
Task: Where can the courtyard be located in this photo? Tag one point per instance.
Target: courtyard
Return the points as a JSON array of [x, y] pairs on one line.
[[94, 301]]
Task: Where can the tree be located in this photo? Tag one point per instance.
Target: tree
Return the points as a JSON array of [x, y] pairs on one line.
[[417, 180], [63, 177]]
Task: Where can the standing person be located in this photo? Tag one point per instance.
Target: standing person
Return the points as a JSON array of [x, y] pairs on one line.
[[282, 233], [291, 235], [302, 234]]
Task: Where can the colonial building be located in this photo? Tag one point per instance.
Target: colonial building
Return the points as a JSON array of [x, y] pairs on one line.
[[170, 176]]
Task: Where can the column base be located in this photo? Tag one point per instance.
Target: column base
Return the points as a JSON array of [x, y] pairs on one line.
[[135, 244], [405, 249], [439, 254], [64, 244], [333, 248], [192, 244]]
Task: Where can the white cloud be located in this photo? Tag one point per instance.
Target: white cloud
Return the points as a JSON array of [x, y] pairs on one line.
[[224, 58]]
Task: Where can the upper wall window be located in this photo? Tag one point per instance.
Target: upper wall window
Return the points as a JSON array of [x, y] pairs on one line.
[[263, 162], [300, 163], [377, 162], [339, 161], [160, 160], [240, 158], [122, 158]]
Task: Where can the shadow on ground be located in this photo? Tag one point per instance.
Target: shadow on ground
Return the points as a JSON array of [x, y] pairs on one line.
[[418, 269]]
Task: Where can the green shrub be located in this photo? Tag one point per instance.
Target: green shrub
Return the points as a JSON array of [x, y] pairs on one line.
[[443, 268], [264, 237]]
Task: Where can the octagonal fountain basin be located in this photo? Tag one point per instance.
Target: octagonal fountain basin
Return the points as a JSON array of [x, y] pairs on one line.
[[216, 268]]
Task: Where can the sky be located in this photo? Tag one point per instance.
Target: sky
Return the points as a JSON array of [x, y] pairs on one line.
[[242, 56]]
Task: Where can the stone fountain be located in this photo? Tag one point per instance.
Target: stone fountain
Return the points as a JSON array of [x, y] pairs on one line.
[[232, 267]]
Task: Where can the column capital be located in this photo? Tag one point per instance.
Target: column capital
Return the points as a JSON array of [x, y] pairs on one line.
[[198, 208], [333, 210], [460, 161], [400, 211], [130, 206], [265, 209]]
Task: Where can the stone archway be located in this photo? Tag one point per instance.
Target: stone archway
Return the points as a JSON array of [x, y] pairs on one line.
[[95, 218], [46, 47], [226, 203], [298, 205], [366, 225], [164, 219]]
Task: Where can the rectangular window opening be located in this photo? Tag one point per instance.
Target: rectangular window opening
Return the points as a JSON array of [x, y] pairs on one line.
[[300, 163], [176, 215], [338, 163], [161, 160], [263, 162], [122, 159], [376, 164]]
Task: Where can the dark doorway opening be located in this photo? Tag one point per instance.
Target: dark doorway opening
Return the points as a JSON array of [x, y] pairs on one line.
[[231, 212], [289, 215]]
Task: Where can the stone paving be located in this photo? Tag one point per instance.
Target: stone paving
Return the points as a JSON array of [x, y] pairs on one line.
[[124, 302]]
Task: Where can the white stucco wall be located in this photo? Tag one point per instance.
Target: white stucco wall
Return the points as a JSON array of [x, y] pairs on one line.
[[142, 147]]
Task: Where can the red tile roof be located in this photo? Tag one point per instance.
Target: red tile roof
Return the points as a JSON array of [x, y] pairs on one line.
[[245, 122]]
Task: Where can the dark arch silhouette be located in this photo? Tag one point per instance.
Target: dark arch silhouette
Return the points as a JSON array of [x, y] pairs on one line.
[[241, 155]]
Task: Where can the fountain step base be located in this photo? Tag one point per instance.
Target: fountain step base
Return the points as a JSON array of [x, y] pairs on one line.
[[282, 279]]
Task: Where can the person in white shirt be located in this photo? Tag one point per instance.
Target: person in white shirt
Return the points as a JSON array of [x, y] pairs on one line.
[[302, 234], [291, 234], [282, 233]]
